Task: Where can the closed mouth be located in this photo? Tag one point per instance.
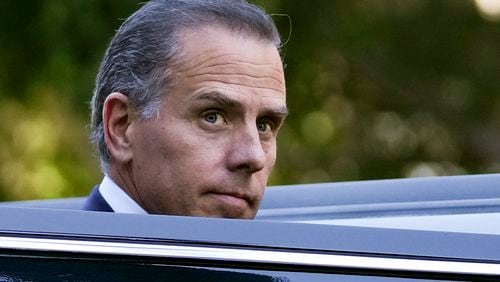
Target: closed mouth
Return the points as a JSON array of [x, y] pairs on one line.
[[232, 199]]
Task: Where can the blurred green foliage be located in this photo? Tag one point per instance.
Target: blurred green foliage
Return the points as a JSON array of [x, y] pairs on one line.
[[376, 89]]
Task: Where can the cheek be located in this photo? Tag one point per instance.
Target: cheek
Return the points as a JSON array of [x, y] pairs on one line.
[[270, 149], [194, 156]]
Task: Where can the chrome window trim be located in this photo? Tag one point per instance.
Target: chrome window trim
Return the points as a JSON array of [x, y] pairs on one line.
[[232, 254]]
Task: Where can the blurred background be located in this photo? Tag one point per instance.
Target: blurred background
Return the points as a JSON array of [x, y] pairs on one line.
[[376, 89]]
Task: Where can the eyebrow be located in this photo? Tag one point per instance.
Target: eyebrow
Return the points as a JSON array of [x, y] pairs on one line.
[[223, 99], [219, 98]]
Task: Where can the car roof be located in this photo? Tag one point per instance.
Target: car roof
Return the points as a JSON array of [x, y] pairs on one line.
[[368, 192], [71, 224]]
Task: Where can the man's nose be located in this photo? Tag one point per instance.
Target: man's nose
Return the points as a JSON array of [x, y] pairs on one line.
[[246, 152]]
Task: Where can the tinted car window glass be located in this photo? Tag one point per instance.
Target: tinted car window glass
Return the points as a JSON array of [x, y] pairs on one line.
[[40, 267]]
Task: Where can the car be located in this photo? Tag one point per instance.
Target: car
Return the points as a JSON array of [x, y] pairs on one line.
[[423, 229]]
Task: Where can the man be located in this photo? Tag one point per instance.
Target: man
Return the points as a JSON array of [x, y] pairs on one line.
[[187, 106]]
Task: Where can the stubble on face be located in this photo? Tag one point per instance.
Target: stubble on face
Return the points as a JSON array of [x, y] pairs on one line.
[[213, 147]]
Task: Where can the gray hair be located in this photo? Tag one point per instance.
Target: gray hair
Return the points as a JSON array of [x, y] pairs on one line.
[[137, 61]]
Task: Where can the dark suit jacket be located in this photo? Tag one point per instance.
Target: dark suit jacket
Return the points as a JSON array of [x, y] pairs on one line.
[[95, 202]]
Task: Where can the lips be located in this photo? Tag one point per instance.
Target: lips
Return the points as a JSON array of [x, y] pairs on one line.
[[235, 200], [232, 198]]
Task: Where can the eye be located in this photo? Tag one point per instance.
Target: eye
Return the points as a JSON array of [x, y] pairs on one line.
[[264, 125], [214, 118]]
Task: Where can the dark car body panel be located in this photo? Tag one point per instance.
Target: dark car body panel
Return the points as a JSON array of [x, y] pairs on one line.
[[61, 242]]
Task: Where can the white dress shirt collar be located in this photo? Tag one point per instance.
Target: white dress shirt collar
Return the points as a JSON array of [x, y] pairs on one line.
[[119, 201]]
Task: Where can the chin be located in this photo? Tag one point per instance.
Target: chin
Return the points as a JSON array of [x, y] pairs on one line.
[[246, 215], [231, 214]]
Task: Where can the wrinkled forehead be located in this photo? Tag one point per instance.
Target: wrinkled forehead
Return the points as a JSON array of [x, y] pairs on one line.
[[217, 35], [226, 52]]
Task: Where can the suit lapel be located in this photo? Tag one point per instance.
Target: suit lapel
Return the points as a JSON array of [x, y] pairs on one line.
[[95, 202]]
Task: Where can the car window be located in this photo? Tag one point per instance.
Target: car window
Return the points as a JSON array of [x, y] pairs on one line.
[[42, 267]]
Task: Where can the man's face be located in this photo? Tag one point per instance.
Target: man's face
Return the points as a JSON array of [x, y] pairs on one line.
[[212, 148]]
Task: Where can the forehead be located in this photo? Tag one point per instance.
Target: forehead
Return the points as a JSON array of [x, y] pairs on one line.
[[215, 54]]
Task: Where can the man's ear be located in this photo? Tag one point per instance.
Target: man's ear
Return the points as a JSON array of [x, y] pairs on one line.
[[117, 116]]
